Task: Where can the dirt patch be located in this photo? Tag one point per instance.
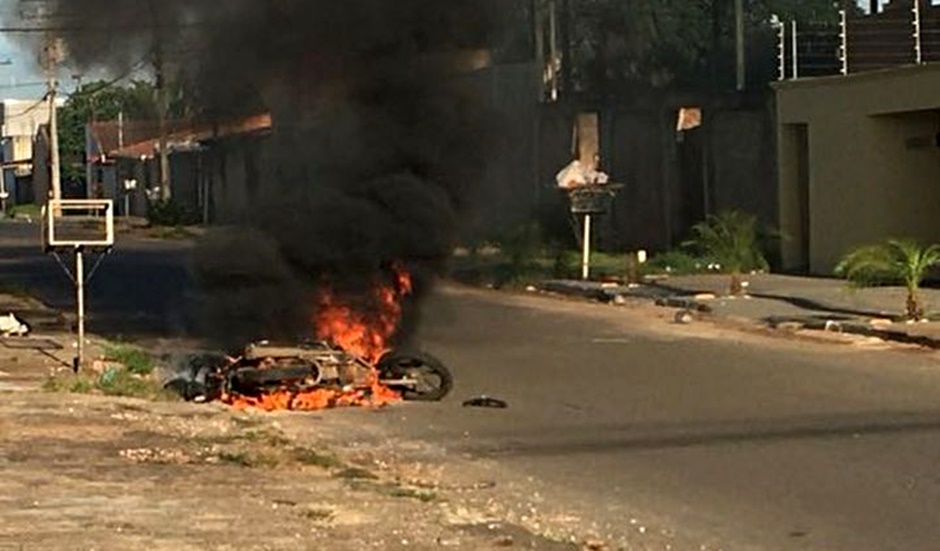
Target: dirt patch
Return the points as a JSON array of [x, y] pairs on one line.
[[113, 473]]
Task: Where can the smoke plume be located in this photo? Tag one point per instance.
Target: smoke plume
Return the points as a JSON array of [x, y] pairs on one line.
[[377, 142]]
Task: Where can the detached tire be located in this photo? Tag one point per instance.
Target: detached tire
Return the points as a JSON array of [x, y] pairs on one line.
[[434, 380]]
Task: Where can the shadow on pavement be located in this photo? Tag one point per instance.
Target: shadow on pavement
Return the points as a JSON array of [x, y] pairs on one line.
[[662, 437], [812, 305]]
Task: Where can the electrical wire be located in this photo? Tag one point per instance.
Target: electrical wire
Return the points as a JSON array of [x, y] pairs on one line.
[[113, 82], [32, 107]]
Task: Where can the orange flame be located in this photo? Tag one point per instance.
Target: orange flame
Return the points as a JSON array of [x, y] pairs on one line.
[[373, 395], [363, 333]]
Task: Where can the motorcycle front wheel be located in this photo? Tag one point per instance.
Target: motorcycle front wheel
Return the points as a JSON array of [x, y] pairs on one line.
[[429, 380]]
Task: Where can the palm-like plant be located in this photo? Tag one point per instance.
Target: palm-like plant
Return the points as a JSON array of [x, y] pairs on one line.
[[894, 261], [730, 239]]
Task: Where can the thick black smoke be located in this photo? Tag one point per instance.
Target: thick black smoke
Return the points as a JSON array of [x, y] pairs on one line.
[[378, 135]]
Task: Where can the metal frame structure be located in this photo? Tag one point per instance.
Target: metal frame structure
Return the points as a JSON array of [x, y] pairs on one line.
[[921, 42], [59, 209], [587, 202], [53, 243]]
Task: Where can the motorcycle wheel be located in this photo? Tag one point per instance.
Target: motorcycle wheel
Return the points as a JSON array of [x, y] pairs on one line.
[[434, 380]]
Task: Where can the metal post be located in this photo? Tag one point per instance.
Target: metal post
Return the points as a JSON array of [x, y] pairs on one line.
[[80, 300], [741, 60], [3, 193], [918, 49], [586, 252], [127, 204], [121, 129], [794, 52], [162, 104], [553, 47], [844, 39], [206, 189], [55, 176], [782, 51], [165, 191]]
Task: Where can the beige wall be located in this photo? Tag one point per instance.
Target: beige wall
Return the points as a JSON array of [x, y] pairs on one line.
[[874, 168]]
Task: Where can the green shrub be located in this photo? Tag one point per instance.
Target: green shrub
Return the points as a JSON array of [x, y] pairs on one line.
[[895, 261], [731, 240], [675, 262], [171, 213]]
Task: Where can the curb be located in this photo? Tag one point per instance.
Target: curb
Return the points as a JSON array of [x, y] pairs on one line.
[[856, 328], [684, 302]]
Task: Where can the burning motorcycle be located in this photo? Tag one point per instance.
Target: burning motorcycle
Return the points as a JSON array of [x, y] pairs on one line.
[[266, 369]]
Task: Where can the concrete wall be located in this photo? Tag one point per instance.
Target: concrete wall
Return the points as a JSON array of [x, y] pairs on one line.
[[512, 187], [639, 149], [236, 170], [744, 163], [873, 165], [670, 182]]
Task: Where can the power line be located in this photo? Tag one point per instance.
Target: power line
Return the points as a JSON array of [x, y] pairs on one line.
[[32, 107], [100, 28]]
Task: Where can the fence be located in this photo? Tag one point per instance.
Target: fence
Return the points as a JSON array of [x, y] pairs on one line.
[[905, 32]]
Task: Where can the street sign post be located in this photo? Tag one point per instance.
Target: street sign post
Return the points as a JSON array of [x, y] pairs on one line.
[[80, 226]]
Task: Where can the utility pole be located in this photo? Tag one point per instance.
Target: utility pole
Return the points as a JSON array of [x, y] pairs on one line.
[[53, 54], [162, 109], [162, 104], [739, 41], [89, 169]]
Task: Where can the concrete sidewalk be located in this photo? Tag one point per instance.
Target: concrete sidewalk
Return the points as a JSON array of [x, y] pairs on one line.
[[782, 302]]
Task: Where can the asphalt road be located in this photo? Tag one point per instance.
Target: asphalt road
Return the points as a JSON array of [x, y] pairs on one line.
[[707, 442], [139, 290], [719, 443]]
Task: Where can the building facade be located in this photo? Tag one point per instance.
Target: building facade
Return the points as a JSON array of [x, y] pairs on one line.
[[858, 162]]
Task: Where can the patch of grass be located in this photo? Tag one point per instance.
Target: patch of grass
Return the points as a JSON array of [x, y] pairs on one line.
[[112, 382], [73, 385], [235, 458], [675, 262], [507, 269], [412, 493], [391, 489], [317, 459], [247, 459], [134, 359], [318, 515], [356, 473], [278, 441], [31, 211]]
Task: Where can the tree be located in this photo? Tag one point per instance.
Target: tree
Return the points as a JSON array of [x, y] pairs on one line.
[[641, 46], [895, 261], [730, 240], [104, 101]]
